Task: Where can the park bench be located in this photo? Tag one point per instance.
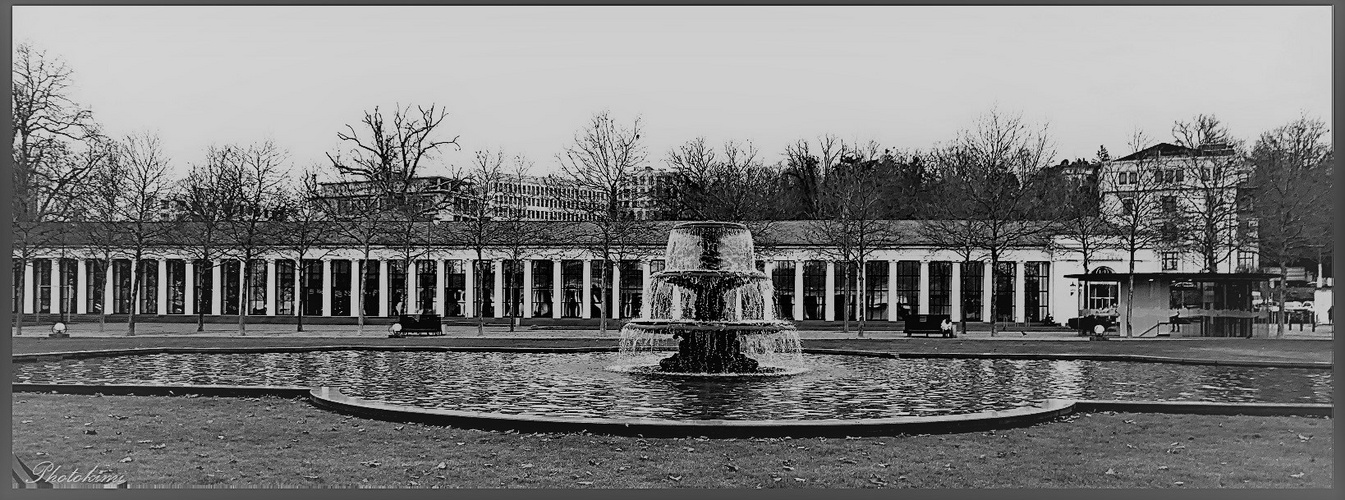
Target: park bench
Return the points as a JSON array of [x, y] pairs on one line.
[[426, 324], [929, 324]]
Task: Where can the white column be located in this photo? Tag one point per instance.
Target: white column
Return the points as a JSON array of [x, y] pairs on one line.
[[955, 292], [217, 288], [557, 301], [586, 309], [527, 288], [440, 281], [987, 294], [28, 287], [829, 312], [189, 287], [355, 278], [645, 291], [798, 290], [469, 295], [924, 287], [107, 288], [162, 297], [497, 292], [1019, 292], [383, 296], [271, 287], [326, 287], [615, 313], [81, 286], [54, 279], [892, 304]]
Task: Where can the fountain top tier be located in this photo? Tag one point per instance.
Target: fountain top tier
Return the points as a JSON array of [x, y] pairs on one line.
[[709, 246]]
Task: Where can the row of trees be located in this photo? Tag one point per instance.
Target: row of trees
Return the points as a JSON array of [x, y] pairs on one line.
[[992, 188], [119, 201]]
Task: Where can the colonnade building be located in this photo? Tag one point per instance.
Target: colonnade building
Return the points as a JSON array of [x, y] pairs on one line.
[[562, 281]]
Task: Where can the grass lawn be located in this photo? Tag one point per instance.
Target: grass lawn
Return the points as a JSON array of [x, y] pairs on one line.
[[255, 442], [1209, 349]]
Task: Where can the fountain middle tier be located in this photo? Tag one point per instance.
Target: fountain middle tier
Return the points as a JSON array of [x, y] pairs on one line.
[[717, 347], [711, 295]]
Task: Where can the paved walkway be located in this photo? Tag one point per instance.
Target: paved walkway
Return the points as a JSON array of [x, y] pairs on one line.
[[380, 330]]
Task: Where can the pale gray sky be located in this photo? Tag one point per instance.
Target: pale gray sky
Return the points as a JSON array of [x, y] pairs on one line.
[[526, 78]]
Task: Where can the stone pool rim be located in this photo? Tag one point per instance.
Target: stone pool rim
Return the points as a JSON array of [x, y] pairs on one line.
[[332, 399], [1139, 358]]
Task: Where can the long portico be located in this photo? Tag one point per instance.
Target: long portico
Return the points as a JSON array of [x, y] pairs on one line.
[[895, 285]]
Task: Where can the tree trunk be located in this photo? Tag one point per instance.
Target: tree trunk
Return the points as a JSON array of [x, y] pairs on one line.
[[994, 311], [1083, 294], [476, 297], [244, 297], [1283, 287], [135, 297], [861, 307], [845, 299], [509, 285], [23, 282], [1130, 295], [603, 291], [200, 313], [359, 290]]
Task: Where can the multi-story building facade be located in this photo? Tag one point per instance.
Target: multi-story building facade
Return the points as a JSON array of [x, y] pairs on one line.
[[644, 190], [1195, 198], [532, 198]]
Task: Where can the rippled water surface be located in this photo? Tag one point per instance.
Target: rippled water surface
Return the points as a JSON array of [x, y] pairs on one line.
[[581, 385]]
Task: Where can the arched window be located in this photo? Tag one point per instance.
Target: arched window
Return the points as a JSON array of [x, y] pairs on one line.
[[1102, 270]]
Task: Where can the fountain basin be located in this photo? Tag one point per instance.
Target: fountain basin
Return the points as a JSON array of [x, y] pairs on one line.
[[582, 385]]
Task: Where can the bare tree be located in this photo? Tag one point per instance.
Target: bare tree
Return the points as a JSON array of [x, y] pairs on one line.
[[303, 224], [1292, 182], [257, 171], [848, 228], [48, 128], [1137, 212], [358, 219], [987, 190], [209, 197], [806, 169], [147, 189], [516, 237], [602, 164], [98, 214], [389, 156], [478, 228], [1215, 168], [385, 161]]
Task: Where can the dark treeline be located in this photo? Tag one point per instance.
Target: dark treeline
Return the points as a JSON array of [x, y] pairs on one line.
[[733, 183]]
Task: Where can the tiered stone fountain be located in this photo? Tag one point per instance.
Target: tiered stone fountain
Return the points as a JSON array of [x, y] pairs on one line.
[[712, 300]]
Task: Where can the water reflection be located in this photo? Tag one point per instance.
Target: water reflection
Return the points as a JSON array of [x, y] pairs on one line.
[[580, 385]]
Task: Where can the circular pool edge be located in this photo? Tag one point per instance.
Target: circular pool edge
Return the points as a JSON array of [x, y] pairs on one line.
[[333, 400]]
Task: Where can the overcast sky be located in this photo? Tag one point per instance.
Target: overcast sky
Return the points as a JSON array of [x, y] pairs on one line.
[[525, 79]]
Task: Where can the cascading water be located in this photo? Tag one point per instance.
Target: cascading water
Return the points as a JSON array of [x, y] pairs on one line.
[[715, 305]]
